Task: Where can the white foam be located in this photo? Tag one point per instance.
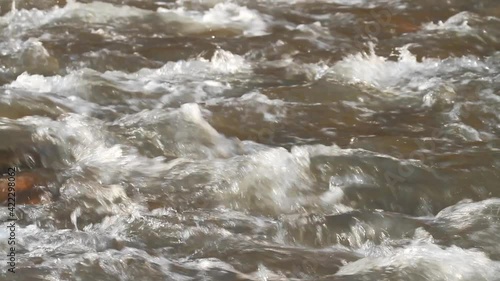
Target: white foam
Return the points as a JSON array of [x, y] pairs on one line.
[[84, 144], [69, 91], [473, 223], [268, 181], [272, 110], [225, 15], [18, 21], [193, 80], [222, 62], [13, 45], [462, 131], [426, 261], [406, 73], [355, 3], [53, 84], [312, 71], [458, 22], [274, 181], [29, 55], [181, 132]]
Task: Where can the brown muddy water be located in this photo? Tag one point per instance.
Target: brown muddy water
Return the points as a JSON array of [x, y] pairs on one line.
[[252, 140]]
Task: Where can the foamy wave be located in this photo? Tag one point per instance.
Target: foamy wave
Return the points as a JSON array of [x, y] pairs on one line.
[[86, 144], [94, 12], [222, 62], [407, 73], [13, 46], [356, 3], [425, 261], [458, 22], [274, 181], [180, 82], [254, 102], [176, 78], [222, 15], [53, 84], [179, 133], [479, 220], [29, 55]]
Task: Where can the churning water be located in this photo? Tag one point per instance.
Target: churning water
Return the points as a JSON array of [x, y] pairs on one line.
[[253, 140]]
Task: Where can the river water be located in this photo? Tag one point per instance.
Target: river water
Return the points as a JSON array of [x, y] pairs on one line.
[[253, 140]]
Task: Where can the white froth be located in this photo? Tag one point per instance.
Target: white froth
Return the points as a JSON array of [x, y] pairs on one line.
[[85, 145], [355, 3], [463, 213], [14, 45], [69, 91], [222, 62], [192, 113], [42, 84], [187, 81], [181, 132], [222, 15], [19, 21], [426, 261], [475, 223], [312, 71], [272, 110], [458, 23], [275, 181], [407, 73], [272, 180]]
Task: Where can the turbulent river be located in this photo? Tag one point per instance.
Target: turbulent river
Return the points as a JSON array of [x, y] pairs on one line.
[[251, 140]]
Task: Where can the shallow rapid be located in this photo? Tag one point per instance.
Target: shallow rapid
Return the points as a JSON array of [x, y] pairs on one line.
[[342, 140]]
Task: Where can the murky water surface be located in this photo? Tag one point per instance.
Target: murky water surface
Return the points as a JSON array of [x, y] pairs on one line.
[[253, 140]]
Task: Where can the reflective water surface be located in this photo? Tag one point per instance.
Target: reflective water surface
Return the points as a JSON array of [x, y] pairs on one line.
[[252, 140]]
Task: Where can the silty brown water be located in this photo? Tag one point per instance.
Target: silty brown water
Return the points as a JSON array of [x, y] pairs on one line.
[[252, 140]]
